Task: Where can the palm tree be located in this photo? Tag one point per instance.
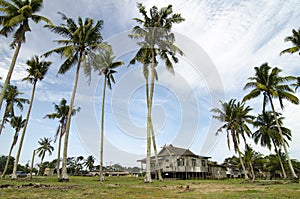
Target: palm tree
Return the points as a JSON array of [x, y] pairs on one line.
[[89, 162], [45, 146], [234, 116], [61, 113], [249, 159], [80, 40], [268, 134], [106, 67], [36, 71], [295, 40], [271, 85], [157, 40], [17, 123], [16, 20], [11, 98]]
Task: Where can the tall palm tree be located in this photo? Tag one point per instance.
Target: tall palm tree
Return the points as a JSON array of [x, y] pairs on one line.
[[295, 40], [106, 67], [17, 123], [45, 146], [61, 113], [155, 39], [36, 72], [235, 117], [11, 98], [269, 83], [268, 135], [17, 14], [80, 40], [89, 162]]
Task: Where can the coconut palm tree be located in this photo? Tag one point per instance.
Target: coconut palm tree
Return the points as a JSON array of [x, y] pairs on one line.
[[45, 146], [17, 123], [11, 98], [268, 135], [89, 162], [106, 67], [155, 39], [268, 82], [295, 40], [235, 117], [80, 40], [36, 72], [16, 18], [61, 113]]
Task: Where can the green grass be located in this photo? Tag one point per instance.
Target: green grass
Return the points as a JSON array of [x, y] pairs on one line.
[[127, 187]]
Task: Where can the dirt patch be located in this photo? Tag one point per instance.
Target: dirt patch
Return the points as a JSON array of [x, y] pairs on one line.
[[37, 185]]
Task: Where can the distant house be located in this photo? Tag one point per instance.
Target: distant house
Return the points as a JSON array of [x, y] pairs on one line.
[[217, 171], [179, 163]]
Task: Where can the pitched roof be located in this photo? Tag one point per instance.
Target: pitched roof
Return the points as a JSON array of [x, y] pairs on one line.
[[170, 150]]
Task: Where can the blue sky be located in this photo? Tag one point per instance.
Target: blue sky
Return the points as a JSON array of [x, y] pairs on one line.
[[222, 42]]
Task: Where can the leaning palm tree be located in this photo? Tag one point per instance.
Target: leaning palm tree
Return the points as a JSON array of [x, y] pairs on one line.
[[45, 146], [16, 20], [269, 83], [80, 40], [17, 123], [36, 72], [295, 40], [235, 117], [155, 39], [11, 98], [89, 162], [61, 113], [106, 66], [268, 135]]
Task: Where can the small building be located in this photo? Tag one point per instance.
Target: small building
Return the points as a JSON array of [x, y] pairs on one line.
[[179, 163], [217, 171]]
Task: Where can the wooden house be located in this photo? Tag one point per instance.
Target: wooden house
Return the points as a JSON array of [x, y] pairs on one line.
[[179, 163]]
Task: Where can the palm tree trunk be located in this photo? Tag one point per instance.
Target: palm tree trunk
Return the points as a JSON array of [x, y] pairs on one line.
[[14, 174], [9, 154], [102, 131], [283, 143], [150, 97], [236, 146], [153, 135], [252, 171], [41, 164], [3, 119], [155, 154], [32, 161], [10, 71], [279, 158], [58, 153], [65, 176]]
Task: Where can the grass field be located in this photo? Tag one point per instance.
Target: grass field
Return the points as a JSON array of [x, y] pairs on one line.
[[128, 187]]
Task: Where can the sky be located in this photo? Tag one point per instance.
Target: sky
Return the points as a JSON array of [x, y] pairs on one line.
[[222, 42]]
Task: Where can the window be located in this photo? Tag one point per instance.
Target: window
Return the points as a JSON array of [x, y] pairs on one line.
[[203, 163], [194, 162], [180, 162]]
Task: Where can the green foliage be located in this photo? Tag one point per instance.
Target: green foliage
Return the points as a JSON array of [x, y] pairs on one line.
[[3, 159], [16, 17], [295, 40]]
